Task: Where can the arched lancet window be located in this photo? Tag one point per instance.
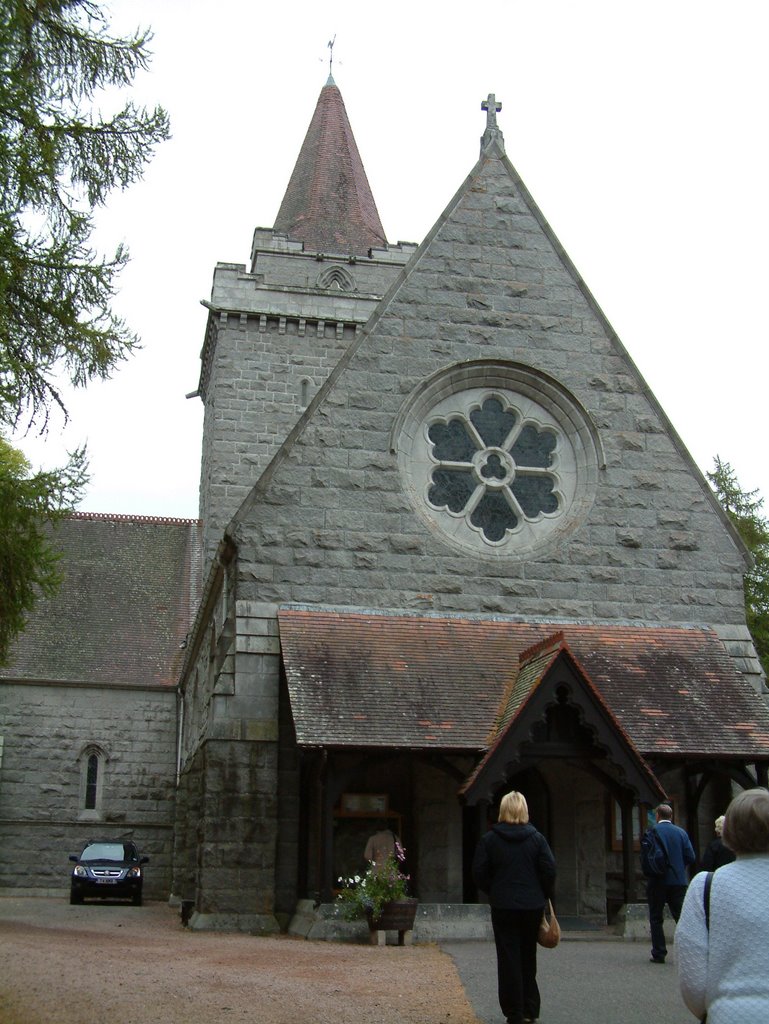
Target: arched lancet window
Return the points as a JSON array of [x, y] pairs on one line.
[[304, 393], [92, 763], [91, 781]]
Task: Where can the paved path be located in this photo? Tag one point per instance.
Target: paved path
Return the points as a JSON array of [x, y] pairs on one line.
[[600, 981]]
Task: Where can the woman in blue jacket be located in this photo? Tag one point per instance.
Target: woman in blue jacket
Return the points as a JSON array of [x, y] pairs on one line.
[[515, 866]]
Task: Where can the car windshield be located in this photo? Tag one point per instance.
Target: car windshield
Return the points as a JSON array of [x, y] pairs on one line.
[[109, 851]]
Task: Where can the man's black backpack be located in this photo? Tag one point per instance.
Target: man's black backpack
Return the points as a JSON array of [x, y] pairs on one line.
[[654, 856]]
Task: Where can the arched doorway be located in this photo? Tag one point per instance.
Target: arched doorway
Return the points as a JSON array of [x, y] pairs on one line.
[[567, 804], [562, 747]]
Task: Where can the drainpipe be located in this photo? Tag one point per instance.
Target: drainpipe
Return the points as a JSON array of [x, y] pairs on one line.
[[180, 706]]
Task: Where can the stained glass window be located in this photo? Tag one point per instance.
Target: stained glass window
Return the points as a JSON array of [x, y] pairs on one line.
[[493, 467], [91, 781], [497, 458]]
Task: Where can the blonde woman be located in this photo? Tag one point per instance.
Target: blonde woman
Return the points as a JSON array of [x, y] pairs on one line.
[[717, 854], [515, 866]]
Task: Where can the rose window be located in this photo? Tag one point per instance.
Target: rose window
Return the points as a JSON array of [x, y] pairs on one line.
[[497, 458], [493, 469]]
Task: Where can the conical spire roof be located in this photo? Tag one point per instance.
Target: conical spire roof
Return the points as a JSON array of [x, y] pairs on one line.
[[328, 204]]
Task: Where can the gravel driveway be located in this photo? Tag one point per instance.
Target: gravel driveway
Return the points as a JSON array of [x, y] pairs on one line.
[[100, 963]]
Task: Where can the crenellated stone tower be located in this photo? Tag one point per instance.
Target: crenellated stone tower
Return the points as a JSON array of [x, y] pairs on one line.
[[276, 330]]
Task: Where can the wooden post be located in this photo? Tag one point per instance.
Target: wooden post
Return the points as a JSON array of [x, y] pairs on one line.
[[327, 836], [628, 854]]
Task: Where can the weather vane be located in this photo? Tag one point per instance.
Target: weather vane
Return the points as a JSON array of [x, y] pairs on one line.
[[331, 56]]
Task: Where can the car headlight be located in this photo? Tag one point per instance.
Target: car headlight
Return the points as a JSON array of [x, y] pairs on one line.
[[80, 871], [134, 873]]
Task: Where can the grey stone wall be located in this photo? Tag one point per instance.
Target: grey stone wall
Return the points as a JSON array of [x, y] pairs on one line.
[[227, 816], [578, 808], [254, 399], [335, 524], [45, 729], [236, 837], [438, 823], [289, 812], [209, 669], [272, 339], [187, 836]]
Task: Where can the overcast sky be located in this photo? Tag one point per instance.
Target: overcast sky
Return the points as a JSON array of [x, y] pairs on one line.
[[641, 130]]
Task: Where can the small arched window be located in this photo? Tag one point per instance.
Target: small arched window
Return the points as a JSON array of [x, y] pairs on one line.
[[304, 393], [92, 763], [91, 781]]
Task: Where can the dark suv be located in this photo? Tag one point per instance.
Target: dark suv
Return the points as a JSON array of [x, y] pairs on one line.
[[108, 870]]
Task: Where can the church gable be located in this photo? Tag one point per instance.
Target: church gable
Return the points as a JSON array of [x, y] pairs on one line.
[[488, 419], [555, 710]]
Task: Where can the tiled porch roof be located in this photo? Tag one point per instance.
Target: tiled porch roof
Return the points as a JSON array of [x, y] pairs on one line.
[[373, 678]]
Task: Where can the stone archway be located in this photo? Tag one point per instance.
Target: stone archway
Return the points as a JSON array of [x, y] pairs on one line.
[[567, 803], [561, 725], [532, 784]]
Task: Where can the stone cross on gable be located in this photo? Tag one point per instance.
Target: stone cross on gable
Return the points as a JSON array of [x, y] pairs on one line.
[[492, 108], [492, 132]]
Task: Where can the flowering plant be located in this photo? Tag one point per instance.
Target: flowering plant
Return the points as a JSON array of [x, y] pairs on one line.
[[364, 895]]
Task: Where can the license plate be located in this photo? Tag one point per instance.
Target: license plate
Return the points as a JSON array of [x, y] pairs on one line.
[[106, 881]]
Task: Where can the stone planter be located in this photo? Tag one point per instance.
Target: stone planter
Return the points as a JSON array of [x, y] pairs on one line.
[[397, 916]]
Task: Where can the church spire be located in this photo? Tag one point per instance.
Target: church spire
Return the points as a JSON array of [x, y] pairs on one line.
[[328, 204]]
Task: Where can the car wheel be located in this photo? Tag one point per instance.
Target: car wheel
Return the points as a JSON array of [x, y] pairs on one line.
[[75, 897], [137, 899]]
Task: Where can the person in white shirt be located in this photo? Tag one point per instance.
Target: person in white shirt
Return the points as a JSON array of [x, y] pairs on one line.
[[723, 951]]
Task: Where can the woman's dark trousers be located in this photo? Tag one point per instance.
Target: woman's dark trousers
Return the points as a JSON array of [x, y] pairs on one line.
[[515, 936]]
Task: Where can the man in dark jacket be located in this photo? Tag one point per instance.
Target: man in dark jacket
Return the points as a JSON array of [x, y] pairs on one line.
[[515, 866], [669, 889]]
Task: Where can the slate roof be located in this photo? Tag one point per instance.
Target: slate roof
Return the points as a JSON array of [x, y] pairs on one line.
[[376, 678], [328, 204], [130, 587]]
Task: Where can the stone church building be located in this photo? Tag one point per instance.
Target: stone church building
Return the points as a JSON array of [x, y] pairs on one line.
[[449, 544]]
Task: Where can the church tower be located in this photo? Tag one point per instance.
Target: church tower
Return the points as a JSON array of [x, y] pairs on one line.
[[276, 330]]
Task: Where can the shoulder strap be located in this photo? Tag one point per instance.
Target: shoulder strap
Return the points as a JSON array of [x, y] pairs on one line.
[[706, 897], [663, 844]]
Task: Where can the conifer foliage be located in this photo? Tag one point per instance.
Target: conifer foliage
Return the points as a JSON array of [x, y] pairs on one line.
[[30, 505], [60, 158], [744, 509]]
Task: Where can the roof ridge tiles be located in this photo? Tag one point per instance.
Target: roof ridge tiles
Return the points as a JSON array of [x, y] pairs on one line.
[[127, 517], [552, 642]]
